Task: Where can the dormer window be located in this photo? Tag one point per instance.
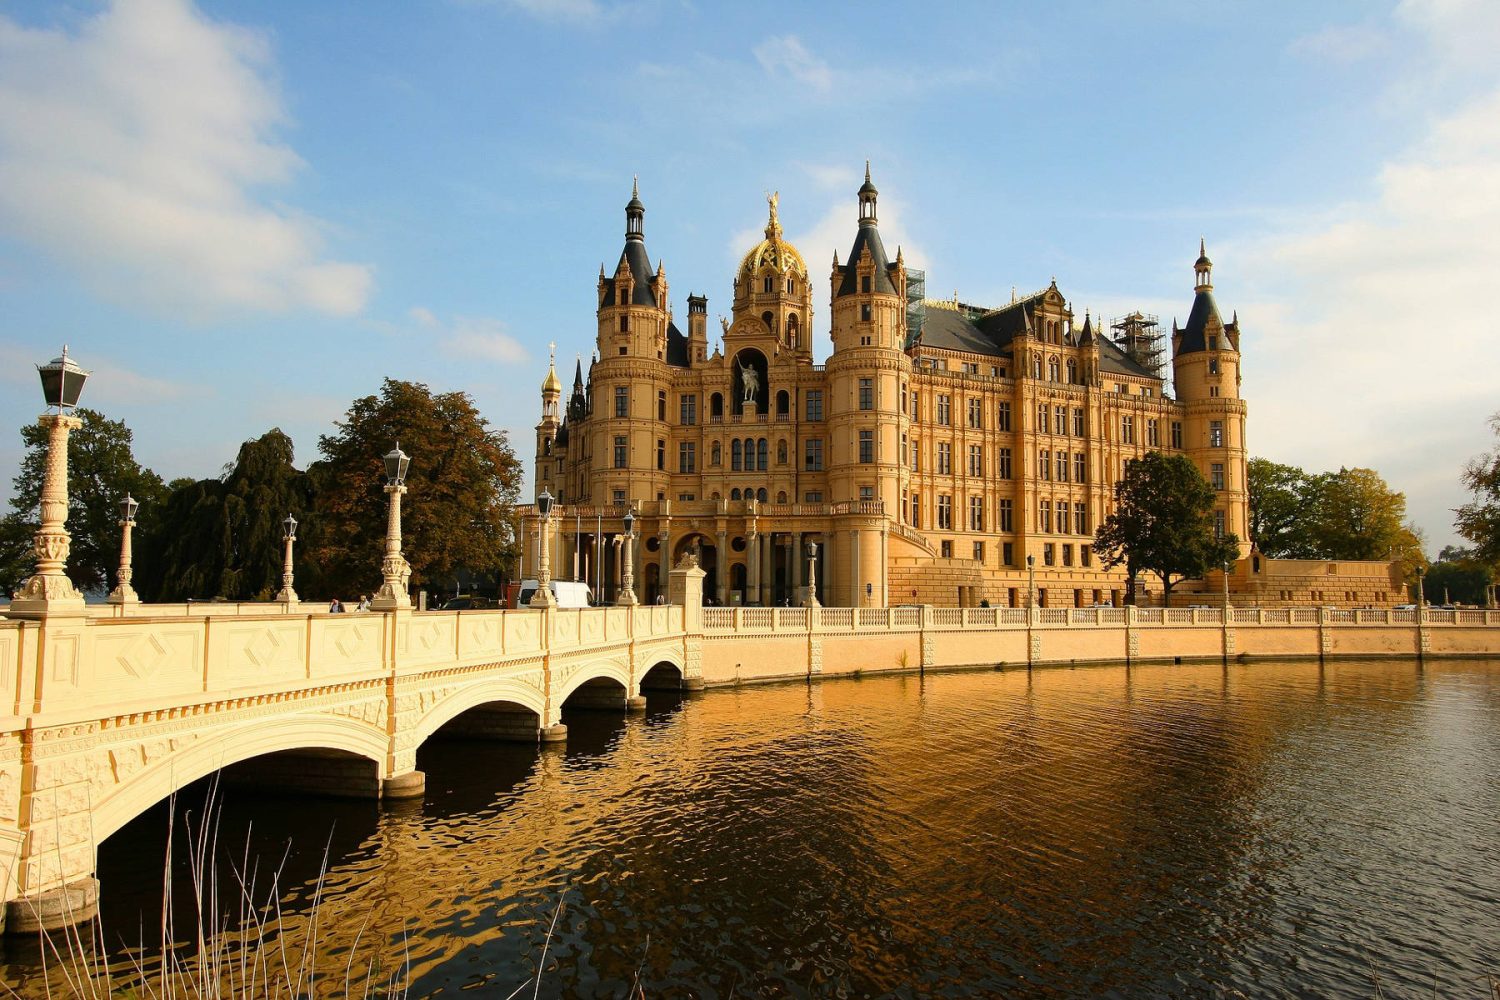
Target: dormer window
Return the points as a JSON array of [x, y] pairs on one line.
[[624, 324], [864, 284], [1213, 343]]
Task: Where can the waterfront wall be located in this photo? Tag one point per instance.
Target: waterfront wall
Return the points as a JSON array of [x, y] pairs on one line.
[[743, 645]]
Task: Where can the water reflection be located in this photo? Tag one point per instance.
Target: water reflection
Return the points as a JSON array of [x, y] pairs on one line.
[[1270, 829]]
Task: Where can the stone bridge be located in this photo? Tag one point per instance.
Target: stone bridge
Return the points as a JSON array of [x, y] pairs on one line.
[[102, 717]]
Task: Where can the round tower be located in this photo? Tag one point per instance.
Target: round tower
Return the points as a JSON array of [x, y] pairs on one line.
[[548, 471]]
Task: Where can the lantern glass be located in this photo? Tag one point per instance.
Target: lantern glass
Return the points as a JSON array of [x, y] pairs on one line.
[[290, 524], [544, 504], [629, 522], [396, 463], [812, 550], [62, 381], [128, 507]]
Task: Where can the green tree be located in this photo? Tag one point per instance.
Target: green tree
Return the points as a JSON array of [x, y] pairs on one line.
[[463, 483], [226, 537], [1458, 577], [1279, 500], [1479, 519], [1162, 523], [1353, 514], [101, 470]]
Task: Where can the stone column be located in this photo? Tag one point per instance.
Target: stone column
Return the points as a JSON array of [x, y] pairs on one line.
[[665, 539], [856, 588], [752, 566], [768, 569], [795, 575], [723, 569]]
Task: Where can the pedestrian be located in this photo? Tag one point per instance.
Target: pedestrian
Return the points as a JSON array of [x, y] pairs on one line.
[[364, 603], [334, 607], [661, 598]]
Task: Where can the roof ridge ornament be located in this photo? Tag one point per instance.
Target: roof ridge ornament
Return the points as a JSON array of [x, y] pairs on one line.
[[773, 224]]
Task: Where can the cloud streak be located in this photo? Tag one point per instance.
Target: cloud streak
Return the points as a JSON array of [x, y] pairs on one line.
[[136, 150]]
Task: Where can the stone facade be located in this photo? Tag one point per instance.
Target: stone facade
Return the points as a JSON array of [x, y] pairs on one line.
[[941, 446]]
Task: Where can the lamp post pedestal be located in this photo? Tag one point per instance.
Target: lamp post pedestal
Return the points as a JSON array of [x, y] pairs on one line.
[[627, 573], [394, 569], [49, 591], [812, 577], [543, 597], [124, 593], [287, 595]]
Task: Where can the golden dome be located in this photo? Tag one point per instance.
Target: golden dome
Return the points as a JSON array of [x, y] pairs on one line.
[[552, 383], [773, 251]]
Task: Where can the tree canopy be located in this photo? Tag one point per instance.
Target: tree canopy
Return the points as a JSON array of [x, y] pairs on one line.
[[1479, 519], [1348, 514], [1163, 523], [463, 483], [1458, 577], [101, 470]]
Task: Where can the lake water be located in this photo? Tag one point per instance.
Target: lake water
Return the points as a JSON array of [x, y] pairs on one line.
[[1266, 830]]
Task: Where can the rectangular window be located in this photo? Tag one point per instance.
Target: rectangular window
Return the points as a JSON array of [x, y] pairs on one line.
[[1008, 553], [867, 394], [1007, 519], [1044, 463], [1127, 430], [1044, 516], [1216, 475], [687, 410], [1176, 434], [1078, 421], [1216, 434], [813, 496], [916, 407], [1049, 557], [1081, 520], [979, 552], [976, 414], [813, 455], [619, 497], [976, 460], [1060, 419], [661, 455], [815, 404], [1062, 466], [687, 456], [1002, 417], [944, 458], [661, 406], [620, 452], [1042, 426], [945, 548], [1067, 555], [944, 404], [1002, 460], [976, 513], [916, 510], [1080, 468], [945, 512], [1085, 556], [1218, 524], [622, 401], [867, 446], [1152, 437], [867, 493], [1062, 517], [916, 456]]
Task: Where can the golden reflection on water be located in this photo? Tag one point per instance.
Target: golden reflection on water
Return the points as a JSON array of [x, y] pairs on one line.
[[1165, 830]]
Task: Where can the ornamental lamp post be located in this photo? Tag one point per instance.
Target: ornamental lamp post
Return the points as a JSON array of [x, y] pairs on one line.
[[288, 595], [1030, 582], [124, 593], [812, 575], [1226, 585], [1421, 601], [394, 569], [627, 576], [543, 596], [48, 590]]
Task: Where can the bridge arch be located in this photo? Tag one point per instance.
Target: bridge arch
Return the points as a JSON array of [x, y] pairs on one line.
[[597, 670], [500, 694], [217, 751]]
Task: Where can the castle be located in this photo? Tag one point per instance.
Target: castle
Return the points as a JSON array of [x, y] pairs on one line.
[[946, 453]]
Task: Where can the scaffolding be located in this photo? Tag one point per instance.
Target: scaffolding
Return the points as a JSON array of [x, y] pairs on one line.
[[916, 304], [1139, 336]]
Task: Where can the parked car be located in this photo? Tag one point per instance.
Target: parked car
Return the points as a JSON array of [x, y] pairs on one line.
[[470, 603]]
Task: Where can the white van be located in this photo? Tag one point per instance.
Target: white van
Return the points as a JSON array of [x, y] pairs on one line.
[[567, 593]]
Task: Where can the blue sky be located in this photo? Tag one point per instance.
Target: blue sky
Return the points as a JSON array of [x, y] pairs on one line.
[[243, 215]]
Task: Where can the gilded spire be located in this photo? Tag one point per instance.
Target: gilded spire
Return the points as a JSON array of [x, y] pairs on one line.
[[552, 384], [773, 225]]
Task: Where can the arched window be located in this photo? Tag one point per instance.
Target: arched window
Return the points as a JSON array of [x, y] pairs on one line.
[[1036, 366], [763, 456], [761, 494], [734, 494], [716, 454], [768, 319], [749, 454], [1072, 372], [783, 403], [1054, 370], [781, 496], [791, 330], [780, 452], [734, 455], [791, 285]]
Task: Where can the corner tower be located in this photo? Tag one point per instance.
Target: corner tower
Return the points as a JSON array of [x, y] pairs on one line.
[[1206, 374], [548, 470]]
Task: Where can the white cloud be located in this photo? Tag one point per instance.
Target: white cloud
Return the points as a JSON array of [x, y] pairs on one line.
[[1371, 343], [1342, 43], [470, 337], [787, 56], [135, 150], [110, 383]]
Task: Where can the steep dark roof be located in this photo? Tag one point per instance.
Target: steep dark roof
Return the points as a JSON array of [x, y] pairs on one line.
[[635, 255], [1113, 359], [868, 237], [950, 330], [1010, 321], [561, 440], [1205, 313], [677, 347]]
